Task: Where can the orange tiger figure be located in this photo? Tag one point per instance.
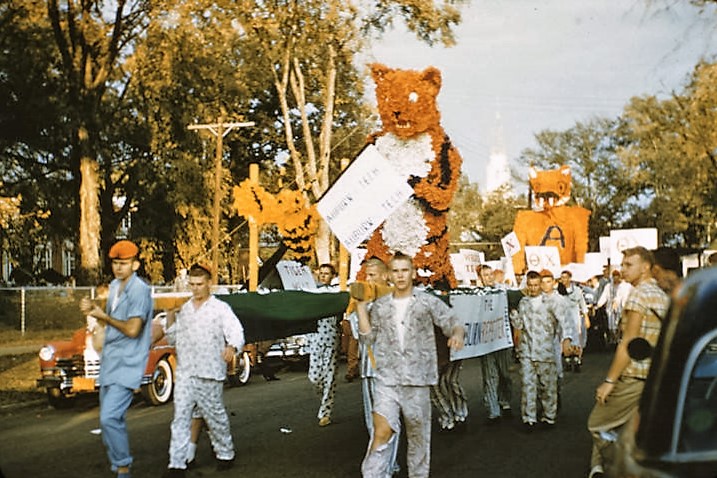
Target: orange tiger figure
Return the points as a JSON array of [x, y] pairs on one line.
[[414, 142], [551, 223]]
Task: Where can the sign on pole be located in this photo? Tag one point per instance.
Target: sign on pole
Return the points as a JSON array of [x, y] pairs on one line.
[[295, 276], [365, 194], [511, 244], [621, 239], [543, 257]]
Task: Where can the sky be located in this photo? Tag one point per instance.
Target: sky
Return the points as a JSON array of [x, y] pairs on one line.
[[523, 66]]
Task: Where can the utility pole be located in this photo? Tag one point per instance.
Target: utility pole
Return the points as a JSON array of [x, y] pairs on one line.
[[219, 130]]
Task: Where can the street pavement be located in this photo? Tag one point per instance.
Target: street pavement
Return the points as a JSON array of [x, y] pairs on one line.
[[277, 435]]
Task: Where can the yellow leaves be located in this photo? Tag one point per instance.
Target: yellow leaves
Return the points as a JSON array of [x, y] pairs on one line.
[[297, 223]]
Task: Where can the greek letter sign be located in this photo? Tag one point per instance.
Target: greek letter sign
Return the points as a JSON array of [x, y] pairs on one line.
[[365, 194]]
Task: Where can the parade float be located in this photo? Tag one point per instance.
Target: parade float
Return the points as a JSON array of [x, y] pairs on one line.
[[551, 222]]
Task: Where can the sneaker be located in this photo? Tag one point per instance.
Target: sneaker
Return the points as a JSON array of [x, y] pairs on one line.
[[506, 411], [596, 472], [223, 465]]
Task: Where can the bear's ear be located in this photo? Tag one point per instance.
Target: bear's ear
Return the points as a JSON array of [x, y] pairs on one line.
[[532, 173], [433, 76], [565, 170], [378, 71]]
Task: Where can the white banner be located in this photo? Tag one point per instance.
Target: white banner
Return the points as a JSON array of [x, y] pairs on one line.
[[365, 194], [543, 257], [485, 317], [295, 276], [621, 239]]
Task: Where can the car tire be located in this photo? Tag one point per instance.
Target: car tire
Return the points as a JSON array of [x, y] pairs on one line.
[[239, 372], [160, 390], [59, 399]]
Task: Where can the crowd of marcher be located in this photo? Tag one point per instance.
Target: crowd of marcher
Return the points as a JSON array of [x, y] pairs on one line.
[[397, 341]]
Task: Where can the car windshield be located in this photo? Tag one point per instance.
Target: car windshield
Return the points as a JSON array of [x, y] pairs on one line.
[[699, 423]]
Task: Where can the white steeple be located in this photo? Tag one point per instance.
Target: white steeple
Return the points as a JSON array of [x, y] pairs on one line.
[[498, 172]]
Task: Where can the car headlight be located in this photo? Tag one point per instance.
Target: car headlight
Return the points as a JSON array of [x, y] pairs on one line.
[[47, 353]]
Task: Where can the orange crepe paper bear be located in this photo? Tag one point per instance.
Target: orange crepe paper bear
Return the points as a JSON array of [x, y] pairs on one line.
[[416, 145], [551, 223]]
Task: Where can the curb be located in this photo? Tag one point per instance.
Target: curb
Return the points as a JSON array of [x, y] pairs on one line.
[[11, 407], [19, 349]]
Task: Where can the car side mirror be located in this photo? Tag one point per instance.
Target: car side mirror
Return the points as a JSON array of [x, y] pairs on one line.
[[639, 349]]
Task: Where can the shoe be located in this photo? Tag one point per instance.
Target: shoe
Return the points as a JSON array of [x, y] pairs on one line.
[[461, 427], [223, 465], [173, 473], [596, 472], [506, 412], [528, 427], [492, 420], [192, 464], [546, 425], [325, 421], [350, 377], [271, 378]]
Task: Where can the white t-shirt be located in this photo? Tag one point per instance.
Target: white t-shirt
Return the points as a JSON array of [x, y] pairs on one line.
[[401, 308]]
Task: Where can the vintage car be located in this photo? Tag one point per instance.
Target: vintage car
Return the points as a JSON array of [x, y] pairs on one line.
[[675, 432], [291, 350], [72, 367]]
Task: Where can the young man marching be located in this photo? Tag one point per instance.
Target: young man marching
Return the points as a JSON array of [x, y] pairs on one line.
[[400, 329]]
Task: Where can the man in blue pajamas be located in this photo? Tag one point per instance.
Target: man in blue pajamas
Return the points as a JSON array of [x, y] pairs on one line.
[[126, 347]]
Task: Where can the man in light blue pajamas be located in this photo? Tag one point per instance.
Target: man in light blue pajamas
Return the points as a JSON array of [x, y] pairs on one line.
[[126, 347]]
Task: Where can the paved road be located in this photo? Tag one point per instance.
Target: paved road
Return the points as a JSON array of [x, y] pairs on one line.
[[42, 442]]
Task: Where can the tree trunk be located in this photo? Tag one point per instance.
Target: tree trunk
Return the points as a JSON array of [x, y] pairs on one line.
[[90, 264]]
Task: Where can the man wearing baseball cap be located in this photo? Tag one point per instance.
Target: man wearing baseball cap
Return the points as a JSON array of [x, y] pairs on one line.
[[125, 351]]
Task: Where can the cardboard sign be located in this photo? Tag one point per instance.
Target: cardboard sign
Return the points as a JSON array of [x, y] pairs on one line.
[[511, 244], [295, 276], [594, 263], [365, 194], [357, 258], [485, 317], [461, 270], [621, 239], [538, 258]]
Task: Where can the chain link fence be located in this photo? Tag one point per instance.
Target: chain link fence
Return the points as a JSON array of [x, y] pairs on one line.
[[46, 308]]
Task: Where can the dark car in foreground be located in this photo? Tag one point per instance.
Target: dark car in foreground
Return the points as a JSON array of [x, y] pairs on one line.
[[675, 432]]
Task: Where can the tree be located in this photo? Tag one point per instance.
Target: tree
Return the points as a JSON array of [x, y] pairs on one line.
[[464, 215], [308, 47], [672, 159]]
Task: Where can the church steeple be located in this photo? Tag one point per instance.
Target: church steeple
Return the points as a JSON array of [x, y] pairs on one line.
[[498, 171]]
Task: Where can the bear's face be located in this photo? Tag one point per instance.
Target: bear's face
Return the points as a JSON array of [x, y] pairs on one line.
[[550, 188], [407, 99]]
